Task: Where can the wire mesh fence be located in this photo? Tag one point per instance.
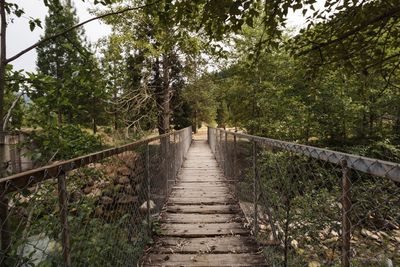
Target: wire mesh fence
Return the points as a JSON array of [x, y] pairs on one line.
[[96, 210], [313, 207]]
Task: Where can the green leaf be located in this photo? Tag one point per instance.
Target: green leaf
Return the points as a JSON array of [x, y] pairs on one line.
[[32, 25]]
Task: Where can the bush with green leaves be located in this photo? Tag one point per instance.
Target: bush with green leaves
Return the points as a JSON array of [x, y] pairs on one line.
[[60, 143]]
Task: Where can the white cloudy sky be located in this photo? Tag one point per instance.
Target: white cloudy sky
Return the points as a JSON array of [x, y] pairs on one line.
[[20, 37]]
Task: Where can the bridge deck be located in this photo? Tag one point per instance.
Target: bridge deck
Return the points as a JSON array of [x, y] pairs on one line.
[[202, 224]]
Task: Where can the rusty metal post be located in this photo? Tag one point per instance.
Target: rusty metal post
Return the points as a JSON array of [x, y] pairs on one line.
[[4, 225], [167, 162], [255, 189], [174, 159], [235, 178], [148, 188], [226, 161], [346, 206], [221, 153], [208, 135], [63, 203]]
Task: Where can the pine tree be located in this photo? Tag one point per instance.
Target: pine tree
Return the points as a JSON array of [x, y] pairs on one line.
[[64, 60]]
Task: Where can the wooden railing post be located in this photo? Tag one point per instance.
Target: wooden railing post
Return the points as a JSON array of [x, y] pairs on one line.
[[346, 206], [4, 224], [63, 203], [148, 188], [255, 189]]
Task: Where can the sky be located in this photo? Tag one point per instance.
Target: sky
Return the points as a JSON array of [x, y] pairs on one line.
[[20, 37]]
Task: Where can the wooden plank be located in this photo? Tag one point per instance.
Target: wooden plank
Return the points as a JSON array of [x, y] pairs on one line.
[[219, 244], [199, 172], [200, 200], [200, 194], [202, 229], [213, 184], [201, 180], [200, 189], [200, 162], [204, 209], [198, 218], [242, 259]]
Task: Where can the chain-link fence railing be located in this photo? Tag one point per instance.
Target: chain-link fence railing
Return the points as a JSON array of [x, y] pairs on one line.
[[311, 206], [95, 210]]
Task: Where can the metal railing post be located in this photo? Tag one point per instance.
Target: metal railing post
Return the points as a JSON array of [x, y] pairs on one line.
[[208, 135], [226, 161], [235, 163], [346, 206], [255, 189], [148, 188], [63, 203], [167, 161], [221, 153], [4, 226], [174, 158]]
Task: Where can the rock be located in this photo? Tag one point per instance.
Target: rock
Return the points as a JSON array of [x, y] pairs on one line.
[[129, 189], [294, 244], [76, 196], [143, 207], [314, 264], [106, 200], [370, 235], [126, 199], [37, 248], [87, 190], [396, 236], [96, 192], [330, 240], [94, 165], [383, 234], [99, 211], [124, 171], [262, 227], [330, 254], [334, 233], [123, 180]]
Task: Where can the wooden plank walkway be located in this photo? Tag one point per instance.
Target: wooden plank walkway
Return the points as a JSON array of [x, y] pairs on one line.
[[202, 224]]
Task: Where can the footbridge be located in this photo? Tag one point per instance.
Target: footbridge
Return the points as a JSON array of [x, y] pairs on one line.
[[215, 198]]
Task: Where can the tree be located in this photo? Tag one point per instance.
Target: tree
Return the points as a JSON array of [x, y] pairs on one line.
[[62, 59], [165, 48]]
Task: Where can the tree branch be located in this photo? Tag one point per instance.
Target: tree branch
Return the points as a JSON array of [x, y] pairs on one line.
[[390, 13], [8, 115], [26, 50]]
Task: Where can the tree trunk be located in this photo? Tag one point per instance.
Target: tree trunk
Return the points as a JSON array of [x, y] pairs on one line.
[[166, 95], [94, 116], [3, 64], [115, 110]]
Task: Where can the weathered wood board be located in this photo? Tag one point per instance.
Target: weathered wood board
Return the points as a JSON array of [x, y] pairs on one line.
[[244, 259]]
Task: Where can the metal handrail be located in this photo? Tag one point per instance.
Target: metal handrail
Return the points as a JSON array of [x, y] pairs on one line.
[[367, 165], [31, 177]]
